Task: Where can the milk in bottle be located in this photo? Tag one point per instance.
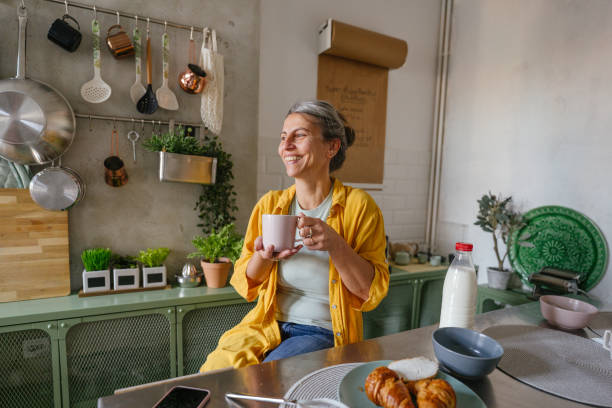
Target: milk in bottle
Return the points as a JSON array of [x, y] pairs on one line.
[[459, 290]]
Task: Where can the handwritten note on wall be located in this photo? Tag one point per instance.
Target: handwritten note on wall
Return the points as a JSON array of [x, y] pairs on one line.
[[359, 91]]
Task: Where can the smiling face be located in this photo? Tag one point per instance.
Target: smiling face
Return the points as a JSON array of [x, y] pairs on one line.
[[304, 152]]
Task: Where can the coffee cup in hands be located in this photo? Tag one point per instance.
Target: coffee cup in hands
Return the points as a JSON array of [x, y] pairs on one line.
[[279, 230]]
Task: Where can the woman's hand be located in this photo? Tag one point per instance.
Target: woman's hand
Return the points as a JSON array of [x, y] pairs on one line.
[[317, 234], [268, 253]]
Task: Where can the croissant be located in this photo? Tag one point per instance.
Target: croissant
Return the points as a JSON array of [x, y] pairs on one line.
[[434, 393], [384, 388]]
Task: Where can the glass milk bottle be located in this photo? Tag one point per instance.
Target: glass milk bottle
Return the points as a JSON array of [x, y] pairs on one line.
[[460, 290]]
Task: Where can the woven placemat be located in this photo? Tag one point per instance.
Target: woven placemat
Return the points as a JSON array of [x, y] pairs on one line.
[[322, 383], [556, 362]]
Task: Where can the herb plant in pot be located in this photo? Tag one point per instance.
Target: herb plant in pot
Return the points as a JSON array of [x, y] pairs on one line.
[[218, 250], [126, 274], [153, 268], [96, 276], [497, 216], [182, 158]]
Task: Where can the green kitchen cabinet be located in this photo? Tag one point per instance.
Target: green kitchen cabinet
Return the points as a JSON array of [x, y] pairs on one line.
[[199, 328], [68, 351], [99, 354], [413, 300], [492, 299], [29, 357]]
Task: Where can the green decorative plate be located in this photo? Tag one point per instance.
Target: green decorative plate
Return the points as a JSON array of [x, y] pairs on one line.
[[561, 238]]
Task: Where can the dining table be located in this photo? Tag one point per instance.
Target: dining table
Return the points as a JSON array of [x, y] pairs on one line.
[[276, 378]]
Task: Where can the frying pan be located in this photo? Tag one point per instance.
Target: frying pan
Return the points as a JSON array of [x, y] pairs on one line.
[[57, 188], [36, 122]]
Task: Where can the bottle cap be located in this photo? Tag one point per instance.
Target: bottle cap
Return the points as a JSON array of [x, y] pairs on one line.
[[463, 246]]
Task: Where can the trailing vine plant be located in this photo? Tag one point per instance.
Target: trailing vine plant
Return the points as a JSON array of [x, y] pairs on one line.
[[217, 203]]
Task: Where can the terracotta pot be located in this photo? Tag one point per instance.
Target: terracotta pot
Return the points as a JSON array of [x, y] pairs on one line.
[[216, 273]]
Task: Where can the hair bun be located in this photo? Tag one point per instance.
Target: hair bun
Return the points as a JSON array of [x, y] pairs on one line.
[[349, 132]]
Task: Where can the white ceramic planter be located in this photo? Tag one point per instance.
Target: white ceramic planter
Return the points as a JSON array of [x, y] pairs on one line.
[[153, 277], [126, 278], [96, 281], [497, 279]]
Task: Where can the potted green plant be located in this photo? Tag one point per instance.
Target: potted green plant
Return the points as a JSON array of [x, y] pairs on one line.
[[96, 275], [126, 274], [497, 216], [153, 268], [182, 158], [218, 251]]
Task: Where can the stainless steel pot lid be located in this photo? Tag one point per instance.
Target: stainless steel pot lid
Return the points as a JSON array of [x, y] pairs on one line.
[[54, 189]]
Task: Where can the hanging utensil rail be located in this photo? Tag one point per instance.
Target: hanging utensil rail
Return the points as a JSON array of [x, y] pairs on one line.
[[136, 120], [124, 14]]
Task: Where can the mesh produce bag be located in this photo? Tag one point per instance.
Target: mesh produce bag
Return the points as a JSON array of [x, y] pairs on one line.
[[211, 108]]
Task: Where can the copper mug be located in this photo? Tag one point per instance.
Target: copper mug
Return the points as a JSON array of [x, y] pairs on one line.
[[119, 43], [115, 174], [192, 80]]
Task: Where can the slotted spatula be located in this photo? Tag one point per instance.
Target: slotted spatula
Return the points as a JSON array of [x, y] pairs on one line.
[[96, 90], [165, 97], [137, 90], [148, 103]]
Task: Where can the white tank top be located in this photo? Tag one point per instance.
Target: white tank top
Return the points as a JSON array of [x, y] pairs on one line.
[[303, 286]]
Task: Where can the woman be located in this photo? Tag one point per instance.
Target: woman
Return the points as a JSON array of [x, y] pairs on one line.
[[311, 296]]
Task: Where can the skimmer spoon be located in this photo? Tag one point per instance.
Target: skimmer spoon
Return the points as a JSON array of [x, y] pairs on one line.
[[137, 90], [96, 90], [165, 97]]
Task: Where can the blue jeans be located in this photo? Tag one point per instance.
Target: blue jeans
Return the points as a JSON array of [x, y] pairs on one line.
[[300, 338]]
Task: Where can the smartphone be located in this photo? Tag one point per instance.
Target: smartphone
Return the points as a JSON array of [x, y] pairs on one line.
[[184, 397]]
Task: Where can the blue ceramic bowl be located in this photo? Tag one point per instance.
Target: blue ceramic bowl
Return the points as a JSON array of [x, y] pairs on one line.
[[466, 353]]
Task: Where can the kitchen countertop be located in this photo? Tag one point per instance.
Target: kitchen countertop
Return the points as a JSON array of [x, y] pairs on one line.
[[275, 378]]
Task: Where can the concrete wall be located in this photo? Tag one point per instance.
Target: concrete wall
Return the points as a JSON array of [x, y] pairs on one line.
[[528, 114], [288, 72], [145, 212]]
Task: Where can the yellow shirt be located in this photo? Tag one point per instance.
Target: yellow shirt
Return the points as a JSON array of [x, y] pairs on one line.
[[355, 216]]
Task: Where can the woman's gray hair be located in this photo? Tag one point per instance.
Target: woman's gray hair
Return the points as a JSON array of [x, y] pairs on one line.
[[333, 126]]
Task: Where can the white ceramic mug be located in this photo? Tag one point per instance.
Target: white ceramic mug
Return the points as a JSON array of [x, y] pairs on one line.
[[607, 341], [435, 260], [279, 230]]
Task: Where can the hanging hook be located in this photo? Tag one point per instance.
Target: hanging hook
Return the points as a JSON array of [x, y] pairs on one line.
[[114, 124], [65, 4], [165, 25], [148, 23], [133, 124], [136, 18], [142, 125], [90, 128], [117, 17], [95, 13], [22, 4], [191, 33]]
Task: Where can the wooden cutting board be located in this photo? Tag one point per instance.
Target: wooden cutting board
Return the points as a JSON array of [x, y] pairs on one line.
[[34, 253]]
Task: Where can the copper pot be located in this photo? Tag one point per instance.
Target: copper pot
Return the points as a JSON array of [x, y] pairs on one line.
[[192, 80]]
